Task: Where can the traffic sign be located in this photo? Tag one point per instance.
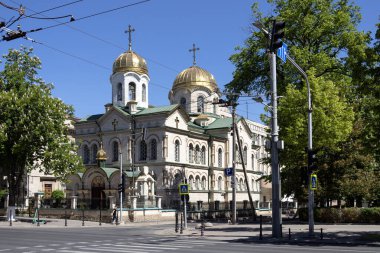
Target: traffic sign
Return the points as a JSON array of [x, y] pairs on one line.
[[185, 197], [313, 182], [183, 189], [228, 171], [282, 51]]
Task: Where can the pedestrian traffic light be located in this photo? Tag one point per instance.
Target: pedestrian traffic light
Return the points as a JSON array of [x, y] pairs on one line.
[[312, 159], [277, 34]]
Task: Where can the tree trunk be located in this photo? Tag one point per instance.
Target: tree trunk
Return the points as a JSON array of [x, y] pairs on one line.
[[245, 175]]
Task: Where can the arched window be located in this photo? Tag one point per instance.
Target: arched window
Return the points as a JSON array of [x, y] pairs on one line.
[[86, 154], [153, 149], [115, 151], [220, 158], [142, 150], [94, 150], [183, 102], [176, 151], [191, 153], [204, 183], [197, 154], [197, 183], [132, 91], [143, 93], [200, 104], [238, 158], [191, 182], [220, 183], [253, 161], [119, 92], [245, 154], [203, 155]]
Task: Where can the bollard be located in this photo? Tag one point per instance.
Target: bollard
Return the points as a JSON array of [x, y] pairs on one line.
[[290, 235], [100, 216], [83, 217], [203, 224], [176, 222], [38, 217], [321, 233], [181, 229], [65, 218], [10, 218], [261, 227]]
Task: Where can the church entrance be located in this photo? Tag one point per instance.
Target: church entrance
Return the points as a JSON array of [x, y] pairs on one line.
[[98, 197]]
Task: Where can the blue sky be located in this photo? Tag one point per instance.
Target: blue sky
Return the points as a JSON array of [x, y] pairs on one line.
[[78, 58]]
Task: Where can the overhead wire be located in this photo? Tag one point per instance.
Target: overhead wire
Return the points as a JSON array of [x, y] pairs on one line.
[[54, 8]]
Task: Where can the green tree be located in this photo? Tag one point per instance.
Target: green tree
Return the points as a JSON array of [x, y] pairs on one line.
[[322, 37], [33, 133]]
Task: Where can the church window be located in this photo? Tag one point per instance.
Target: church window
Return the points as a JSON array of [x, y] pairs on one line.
[[245, 154], [142, 150], [191, 182], [94, 152], [197, 154], [143, 91], [203, 183], [238, 158], [220, 183], [115, 151], [200, 104], [253, 161], [183, 102], [203, 155], [153, 149], [220, 158], [119, 92], [197, 183], [176, 151], [191, 153], [132, 91], [86, 154]]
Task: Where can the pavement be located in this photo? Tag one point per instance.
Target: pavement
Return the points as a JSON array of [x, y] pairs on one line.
[[324, 234]]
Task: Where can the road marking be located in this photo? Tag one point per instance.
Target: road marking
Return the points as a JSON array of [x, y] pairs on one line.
[[118, 250]]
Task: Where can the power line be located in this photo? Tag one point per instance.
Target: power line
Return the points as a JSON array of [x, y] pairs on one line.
[[57, 7], [89, 16]]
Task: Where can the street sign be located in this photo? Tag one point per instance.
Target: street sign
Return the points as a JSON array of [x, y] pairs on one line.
[[183, 189], [228, 171], [282, 51], [185, 197], [313, 182]]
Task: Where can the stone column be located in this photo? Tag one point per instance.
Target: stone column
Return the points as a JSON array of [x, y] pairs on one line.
[[158, 201], [112, 200], [134, 202], [74, 202]]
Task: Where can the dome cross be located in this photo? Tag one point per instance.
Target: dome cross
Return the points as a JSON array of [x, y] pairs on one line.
[[129, 31], [193, 50]]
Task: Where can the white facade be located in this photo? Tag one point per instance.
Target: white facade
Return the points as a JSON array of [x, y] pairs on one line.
[[186, 141]]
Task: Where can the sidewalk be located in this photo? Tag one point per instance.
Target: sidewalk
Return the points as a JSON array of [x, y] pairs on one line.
[[344, 234]]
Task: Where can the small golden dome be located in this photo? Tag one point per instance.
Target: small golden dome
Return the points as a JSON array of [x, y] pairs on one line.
[[129, 61], [202, 116], [193, 77], [101, 155]]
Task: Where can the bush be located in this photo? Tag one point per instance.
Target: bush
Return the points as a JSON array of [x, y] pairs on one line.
[[350, 215], [57, 195], [370, 215]]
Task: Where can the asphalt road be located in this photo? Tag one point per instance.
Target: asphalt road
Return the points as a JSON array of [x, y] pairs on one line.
[[144, 239]]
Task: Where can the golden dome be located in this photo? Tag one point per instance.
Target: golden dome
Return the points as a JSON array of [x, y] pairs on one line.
[[101, 155], [193, 77], [129, 61]]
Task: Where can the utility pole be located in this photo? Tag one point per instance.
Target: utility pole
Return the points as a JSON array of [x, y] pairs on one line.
[[122, 187], [232, 102]]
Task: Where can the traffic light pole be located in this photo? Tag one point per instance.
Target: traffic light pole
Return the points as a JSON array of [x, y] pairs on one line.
[[233, 179], [276, 180]]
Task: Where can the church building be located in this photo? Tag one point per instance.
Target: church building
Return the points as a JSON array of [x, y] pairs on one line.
[[189, 140]]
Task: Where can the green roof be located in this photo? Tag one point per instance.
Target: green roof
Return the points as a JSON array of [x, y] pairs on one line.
[[158, 109], [91, 117], [222, 123], [109, 171]]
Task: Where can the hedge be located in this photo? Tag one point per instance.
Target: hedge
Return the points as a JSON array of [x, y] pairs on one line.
[[344, 215]]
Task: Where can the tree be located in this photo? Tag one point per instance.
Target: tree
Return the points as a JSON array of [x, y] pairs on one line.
[[322, 37], [32, 130]]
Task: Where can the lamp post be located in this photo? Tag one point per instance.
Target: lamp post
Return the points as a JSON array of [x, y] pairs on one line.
[[121, 183], [184, 198]]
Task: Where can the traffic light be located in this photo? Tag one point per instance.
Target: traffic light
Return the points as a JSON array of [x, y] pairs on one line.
[[312, 159], [120, 188], [277, 34]]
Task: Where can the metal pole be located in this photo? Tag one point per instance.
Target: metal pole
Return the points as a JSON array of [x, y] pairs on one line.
[[184, 212], [233, 179], [276, 181], [121, 182], [66, 216]]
